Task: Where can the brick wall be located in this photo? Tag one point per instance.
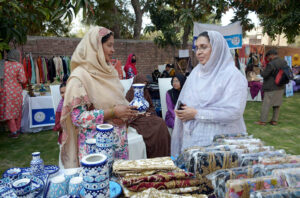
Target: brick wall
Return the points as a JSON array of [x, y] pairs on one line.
[[148, 54]]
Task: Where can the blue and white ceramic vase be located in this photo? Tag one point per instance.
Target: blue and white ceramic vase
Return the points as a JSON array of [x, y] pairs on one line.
[[95, 176], [36, 164], [105, 142], [138, 100]]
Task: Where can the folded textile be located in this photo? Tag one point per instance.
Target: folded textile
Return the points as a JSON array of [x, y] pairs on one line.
[[152, 165], [242, 141], [269, 168], [253, 158], [186, 190], [162, 177], [220, 177], [154, 193], [165, 185], [202, 163], [279, 159], [241, 188], [277, 193], [218, 138], [289, 177]]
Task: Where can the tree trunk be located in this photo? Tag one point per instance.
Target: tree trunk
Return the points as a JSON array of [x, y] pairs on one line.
[[116, 27], [185, 37], [138, 18]]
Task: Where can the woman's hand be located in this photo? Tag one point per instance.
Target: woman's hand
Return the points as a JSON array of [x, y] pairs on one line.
[[188, 113], [125, 112]]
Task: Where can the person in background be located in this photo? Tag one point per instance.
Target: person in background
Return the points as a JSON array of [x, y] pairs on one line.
[[253, 81], [118, 66], [168, 72], [272, 93], [94, 95], [11, 93], [130, 68], [155, 75], [153, 128], [171, 98], [57, 127], [213, 98]]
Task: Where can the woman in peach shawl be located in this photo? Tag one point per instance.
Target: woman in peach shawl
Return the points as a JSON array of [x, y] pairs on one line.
[[94, 95]]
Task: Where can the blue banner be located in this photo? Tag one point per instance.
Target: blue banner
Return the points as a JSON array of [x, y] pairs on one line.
[[43, 117], [234, 41]]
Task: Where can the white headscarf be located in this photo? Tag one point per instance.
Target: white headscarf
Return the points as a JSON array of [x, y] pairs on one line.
[[207, 87]]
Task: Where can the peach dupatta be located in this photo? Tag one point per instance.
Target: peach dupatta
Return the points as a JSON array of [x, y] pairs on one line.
[[102, 88]]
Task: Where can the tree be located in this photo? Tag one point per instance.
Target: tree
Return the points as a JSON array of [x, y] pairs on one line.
[[113, 15], [19, 18], [139, 7], [174, 18], [276, 16]]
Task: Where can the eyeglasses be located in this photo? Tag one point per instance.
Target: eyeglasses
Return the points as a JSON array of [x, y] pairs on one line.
[[201, 48]]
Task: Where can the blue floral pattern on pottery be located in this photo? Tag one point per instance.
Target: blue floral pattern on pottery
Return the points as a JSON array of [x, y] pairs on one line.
[[36, 164], [22, 187], [57, 189], [138, 100], [104, 142], [96, 193], [95, 175]]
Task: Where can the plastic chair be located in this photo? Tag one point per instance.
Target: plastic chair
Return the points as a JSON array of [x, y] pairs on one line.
[[126, 84], [56, 97], [164, 85]]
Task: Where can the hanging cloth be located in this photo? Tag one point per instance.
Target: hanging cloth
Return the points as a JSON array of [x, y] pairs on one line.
[[33, 77]]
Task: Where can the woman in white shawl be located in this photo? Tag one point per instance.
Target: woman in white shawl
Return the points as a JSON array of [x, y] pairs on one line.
[[213, 97]]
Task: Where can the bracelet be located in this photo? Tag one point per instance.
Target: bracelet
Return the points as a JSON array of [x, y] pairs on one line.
[[112, 113]]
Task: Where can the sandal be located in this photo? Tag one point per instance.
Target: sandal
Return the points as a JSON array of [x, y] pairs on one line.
[[13, 135], [273, 123], [260, 123]]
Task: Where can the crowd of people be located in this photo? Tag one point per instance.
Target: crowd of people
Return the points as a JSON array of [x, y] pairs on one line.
[[199, 106]]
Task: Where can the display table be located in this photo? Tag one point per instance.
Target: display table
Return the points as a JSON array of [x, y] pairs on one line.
[[37, 113]]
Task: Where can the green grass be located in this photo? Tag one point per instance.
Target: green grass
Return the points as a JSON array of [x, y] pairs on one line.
[[286, 135], [17, 152]]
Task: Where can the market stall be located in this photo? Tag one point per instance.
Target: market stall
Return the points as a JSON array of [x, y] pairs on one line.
[[233, 166]]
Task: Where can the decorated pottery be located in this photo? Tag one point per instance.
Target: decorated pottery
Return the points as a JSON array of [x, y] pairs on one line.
[[58, 187], [36, 164], [105, 135], [75, 186], [138, 100], [12, 173], [95, 175], [22, 187], [105, 141], [70, 173], [7, 190], [91, 145]]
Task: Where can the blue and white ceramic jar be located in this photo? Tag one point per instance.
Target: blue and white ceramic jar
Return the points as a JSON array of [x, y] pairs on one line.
[[138, 100], [105, 141], [36, 164], [91, 145], [95, 175], [22, 187]]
